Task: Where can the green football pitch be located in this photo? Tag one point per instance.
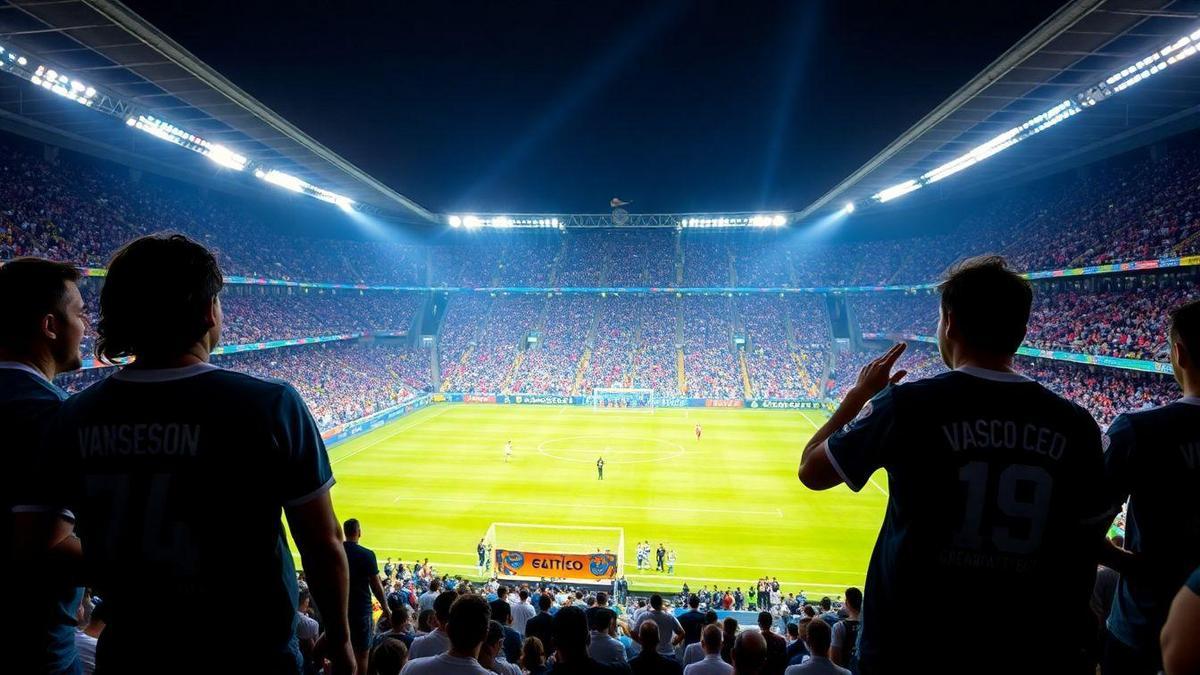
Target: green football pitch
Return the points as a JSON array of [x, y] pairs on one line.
[[730, 505]]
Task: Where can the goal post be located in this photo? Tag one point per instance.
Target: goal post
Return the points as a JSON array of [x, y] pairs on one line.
[[625, 399], [578, 553]]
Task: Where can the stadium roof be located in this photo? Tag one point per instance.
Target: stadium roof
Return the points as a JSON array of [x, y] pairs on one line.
[[1079, 46], [120, 54]]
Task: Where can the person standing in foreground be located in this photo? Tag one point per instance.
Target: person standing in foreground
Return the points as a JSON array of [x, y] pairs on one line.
[[42, 320], [364, 582], [1152, 458], [995, 487], [174, 465]]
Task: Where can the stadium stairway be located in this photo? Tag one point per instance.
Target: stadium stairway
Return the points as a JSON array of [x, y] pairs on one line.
[[746, 388], [506, 385], [581, 371], [679, 372]]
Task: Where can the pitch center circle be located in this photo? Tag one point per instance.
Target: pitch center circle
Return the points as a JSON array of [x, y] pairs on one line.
[[615, 449]]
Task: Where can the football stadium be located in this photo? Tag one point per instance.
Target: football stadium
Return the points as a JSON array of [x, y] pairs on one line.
[[518, 338]]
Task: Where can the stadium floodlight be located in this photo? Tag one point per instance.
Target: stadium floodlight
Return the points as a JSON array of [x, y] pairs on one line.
[[1145, 67], [283, 180], [472, 222], [502, 222], [455, 221], [848, 208], [173, 134], [779, 220]]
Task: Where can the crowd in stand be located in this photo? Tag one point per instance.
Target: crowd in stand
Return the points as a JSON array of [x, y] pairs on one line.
[[549, 365], [709, 361]]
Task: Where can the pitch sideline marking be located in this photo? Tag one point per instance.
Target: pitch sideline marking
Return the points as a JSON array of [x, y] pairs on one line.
[[628, 507], [389, 436]]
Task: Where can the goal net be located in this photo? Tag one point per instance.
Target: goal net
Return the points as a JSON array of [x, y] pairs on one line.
[[579, 553], [619, 398]]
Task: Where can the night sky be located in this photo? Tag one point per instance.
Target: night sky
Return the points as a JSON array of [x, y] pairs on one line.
[[559, 106]]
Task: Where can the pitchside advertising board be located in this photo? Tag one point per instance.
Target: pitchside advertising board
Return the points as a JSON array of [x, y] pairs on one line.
[[673, 402], [535, 565]]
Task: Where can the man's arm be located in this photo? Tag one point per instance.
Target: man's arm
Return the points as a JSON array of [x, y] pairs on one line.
[[1180, 648], [318, 537], [816, 470], [377, 590]]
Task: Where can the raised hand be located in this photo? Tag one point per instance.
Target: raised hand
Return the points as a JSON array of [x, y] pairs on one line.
[[878, 373]]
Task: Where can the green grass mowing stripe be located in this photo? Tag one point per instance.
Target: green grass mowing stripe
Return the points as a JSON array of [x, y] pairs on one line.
[[431, 483]]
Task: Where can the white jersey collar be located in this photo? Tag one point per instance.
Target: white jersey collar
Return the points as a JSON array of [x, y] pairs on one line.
[[17, 365], [129, 374], [993, 375]]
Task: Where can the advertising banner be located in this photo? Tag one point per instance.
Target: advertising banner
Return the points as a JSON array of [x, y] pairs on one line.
[[588, 566]]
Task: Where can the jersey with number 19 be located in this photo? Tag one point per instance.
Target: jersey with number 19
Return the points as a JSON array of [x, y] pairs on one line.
[[994, 496], [179, 480]]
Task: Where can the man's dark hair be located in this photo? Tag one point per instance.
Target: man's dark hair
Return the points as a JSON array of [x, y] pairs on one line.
[[711, 637], [1185, 329], [601, 619], [990, 303], [442, 604], [826, 603], [156, 297], [710, 616], [501, 591], [30, 288], [468, 622], [388, 657], [523, 594], [545, 602], [694, 601], [765, 620], [793, 629], [854, 598], [602, 598], [569, 630], [656, 601], [435, 585], [501, 610], [352, 528], [819, 636], [495, 632], [648, 635], [423, 620]]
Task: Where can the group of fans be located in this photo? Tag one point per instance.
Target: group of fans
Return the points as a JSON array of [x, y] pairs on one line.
[[999, 489]]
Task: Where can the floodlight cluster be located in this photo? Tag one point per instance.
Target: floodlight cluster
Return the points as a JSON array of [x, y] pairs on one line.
[[472, 222], [289, 182], [185, 139], [53, 79], [59, 83], [758, 220], [1141, 69]]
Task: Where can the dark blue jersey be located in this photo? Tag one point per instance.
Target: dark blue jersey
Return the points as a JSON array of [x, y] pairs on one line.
[[1153, 458], [363, 567], [994, 495], [38, 631], [180, 480]]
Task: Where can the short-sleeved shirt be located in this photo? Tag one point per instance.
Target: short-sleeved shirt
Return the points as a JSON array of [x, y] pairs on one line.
[[668, 626], [179, 481], [39, 623], [363, 567], [1153, 458], [994, 490]]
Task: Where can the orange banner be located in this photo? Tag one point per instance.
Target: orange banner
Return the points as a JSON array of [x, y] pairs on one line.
[[589, 566]]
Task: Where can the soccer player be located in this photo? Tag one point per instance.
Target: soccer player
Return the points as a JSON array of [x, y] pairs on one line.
[[600, 468], [1153, 459], [507, 451], [698, 432], [995, 487], [42, 320], [179, 472]]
